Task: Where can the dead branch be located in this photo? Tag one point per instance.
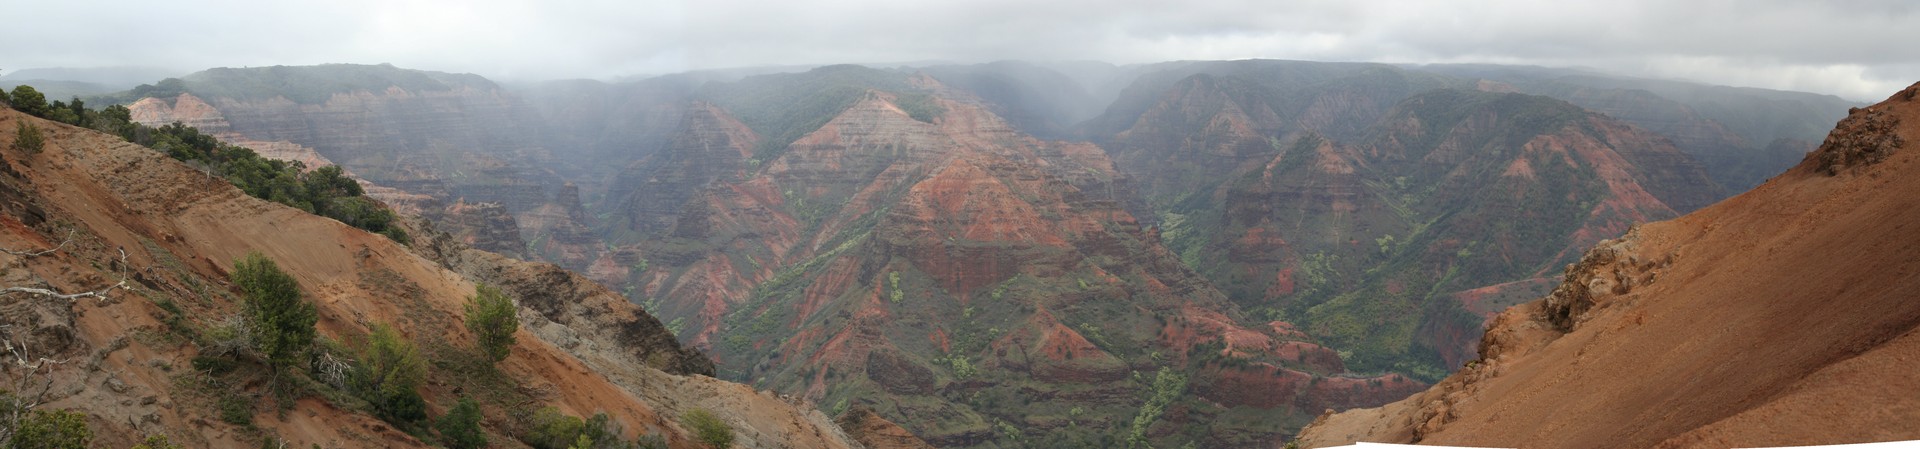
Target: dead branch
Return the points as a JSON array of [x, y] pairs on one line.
[[100, 294], [63, 244], [24, 396]]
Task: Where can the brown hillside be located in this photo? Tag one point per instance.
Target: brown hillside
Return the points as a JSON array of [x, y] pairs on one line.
[[1783, 316], [125, 365]]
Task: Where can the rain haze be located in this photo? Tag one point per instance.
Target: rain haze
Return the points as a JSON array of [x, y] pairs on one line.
[[1854, 49]]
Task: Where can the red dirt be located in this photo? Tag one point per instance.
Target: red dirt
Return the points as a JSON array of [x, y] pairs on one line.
[[125, 197], [1784, 316]]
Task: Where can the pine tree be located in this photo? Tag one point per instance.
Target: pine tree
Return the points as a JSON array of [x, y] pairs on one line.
[[283, 319], [389, 376], [492, 318], [460, 428], [27, 138], [29, 100]]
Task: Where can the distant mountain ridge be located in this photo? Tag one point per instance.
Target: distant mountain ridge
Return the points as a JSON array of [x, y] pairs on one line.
[[1358, 200], [1744, 135]]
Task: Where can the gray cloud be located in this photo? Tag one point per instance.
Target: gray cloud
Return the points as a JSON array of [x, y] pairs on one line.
[[1855, 49]]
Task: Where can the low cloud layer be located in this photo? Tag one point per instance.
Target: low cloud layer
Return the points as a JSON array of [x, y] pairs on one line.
[[1855, 49]]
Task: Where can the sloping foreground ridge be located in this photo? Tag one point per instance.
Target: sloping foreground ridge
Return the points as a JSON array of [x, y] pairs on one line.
[[89, 210], [1784, 316]]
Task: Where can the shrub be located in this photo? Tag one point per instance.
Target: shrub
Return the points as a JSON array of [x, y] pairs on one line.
[[553, 430], [282, 320], [214, 365], [709, 429], [397, 235], [491, 317], [158, 441], [27, 138], [56, 429], [389, 376], [460, 429], [235, 410]]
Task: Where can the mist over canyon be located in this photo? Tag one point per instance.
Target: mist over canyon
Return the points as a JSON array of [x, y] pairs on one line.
[[1014, 253]]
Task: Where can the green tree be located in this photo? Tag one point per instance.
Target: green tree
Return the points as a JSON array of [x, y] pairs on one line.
[[79, 110], [283, 320], [331, 180], [460, 428], [389, 376], [29, 100], [60, 113], [57, 429], [709, 429], [118, 113], [357, 211], [27, 138], [491, 316]]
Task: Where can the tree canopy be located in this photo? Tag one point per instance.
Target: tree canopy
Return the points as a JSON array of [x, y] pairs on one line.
[[283, 319], [389, 376], [491, 316]]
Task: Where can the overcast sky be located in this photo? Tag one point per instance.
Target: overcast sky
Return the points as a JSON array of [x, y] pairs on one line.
[[1862, 50]]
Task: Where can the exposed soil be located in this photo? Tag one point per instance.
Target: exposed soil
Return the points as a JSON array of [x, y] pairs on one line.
[[1780, 317], [181, 230]]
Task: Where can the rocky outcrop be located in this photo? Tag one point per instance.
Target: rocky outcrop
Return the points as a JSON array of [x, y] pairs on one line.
[[584, 315], [1864, 138], [876, 432], [486, 226], [1610, 269], [1650, 340]]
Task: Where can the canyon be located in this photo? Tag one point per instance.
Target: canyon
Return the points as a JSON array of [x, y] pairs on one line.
[[1012, 254]]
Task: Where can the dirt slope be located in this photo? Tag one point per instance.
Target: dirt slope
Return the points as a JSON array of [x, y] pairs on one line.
[[1783, 316], [180, 230]]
